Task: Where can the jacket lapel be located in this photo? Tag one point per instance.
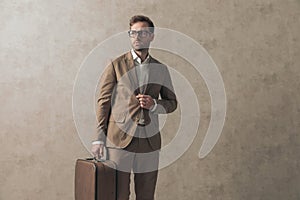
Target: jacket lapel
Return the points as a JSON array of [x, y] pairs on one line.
[[153, 70], [131, 72], [152, 74]]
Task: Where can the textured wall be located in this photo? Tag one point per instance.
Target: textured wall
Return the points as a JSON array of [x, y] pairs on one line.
[[255, 45]]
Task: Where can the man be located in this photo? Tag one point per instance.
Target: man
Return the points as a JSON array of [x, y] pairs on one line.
[[134, 89]]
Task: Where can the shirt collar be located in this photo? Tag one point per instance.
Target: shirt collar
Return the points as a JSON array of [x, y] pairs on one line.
[[137, 58]]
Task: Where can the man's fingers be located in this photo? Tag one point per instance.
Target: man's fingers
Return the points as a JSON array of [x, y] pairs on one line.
[[143, 101], [140, 95], [145, 96], [97, 151], [96, 154], [146, 101], [101, 152]]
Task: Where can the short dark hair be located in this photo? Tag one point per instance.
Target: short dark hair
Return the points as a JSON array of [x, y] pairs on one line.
[[141, 18]]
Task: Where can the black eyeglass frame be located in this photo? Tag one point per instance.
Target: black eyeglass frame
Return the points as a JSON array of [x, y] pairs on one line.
[[141, 33]]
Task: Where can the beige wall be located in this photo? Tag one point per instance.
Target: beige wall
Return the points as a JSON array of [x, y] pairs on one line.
[[255, 45]]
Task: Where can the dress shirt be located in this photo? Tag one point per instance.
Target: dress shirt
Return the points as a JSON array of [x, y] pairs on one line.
[[142, 71]]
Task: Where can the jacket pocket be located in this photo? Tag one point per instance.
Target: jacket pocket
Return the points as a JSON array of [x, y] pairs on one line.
[[118, 118]]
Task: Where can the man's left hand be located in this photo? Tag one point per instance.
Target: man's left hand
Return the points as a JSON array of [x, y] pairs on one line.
[[146, 101]]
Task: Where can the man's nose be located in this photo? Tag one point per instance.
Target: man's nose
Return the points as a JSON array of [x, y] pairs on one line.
[[137, 36]]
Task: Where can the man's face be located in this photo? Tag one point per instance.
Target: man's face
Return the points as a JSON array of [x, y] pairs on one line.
[[140, 36]]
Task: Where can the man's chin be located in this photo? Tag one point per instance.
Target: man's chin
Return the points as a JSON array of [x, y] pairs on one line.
[[140, 48]]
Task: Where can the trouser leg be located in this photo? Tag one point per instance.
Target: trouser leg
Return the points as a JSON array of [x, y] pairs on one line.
[[145, 184], [123, 160], [143, 161], [145, 168], [123, 185]]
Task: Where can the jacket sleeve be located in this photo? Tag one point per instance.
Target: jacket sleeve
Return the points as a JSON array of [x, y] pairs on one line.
[[106, 87], [168, 102]]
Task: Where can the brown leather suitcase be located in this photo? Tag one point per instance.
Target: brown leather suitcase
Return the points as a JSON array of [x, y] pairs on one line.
[[95, 180]]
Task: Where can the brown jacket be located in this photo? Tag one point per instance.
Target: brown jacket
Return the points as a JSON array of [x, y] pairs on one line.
[[118, 110]]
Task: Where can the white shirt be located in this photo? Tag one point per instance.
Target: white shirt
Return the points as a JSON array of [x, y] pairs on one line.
[[142, 70]]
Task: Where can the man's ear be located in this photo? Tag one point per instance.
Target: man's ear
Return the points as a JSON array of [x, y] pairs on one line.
[[152, 37]]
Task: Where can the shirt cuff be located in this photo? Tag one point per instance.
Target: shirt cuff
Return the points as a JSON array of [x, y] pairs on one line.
[[97, 142], [154, 106]]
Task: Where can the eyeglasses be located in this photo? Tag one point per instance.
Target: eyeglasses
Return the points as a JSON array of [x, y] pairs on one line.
[[142, 33]]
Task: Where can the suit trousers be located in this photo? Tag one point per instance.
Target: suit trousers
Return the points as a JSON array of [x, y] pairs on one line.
[[139, 158]]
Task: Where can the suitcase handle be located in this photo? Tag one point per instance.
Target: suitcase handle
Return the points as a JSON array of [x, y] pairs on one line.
[[95, 159]]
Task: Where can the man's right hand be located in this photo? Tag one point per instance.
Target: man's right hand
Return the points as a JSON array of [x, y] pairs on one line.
[[98, 150]]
